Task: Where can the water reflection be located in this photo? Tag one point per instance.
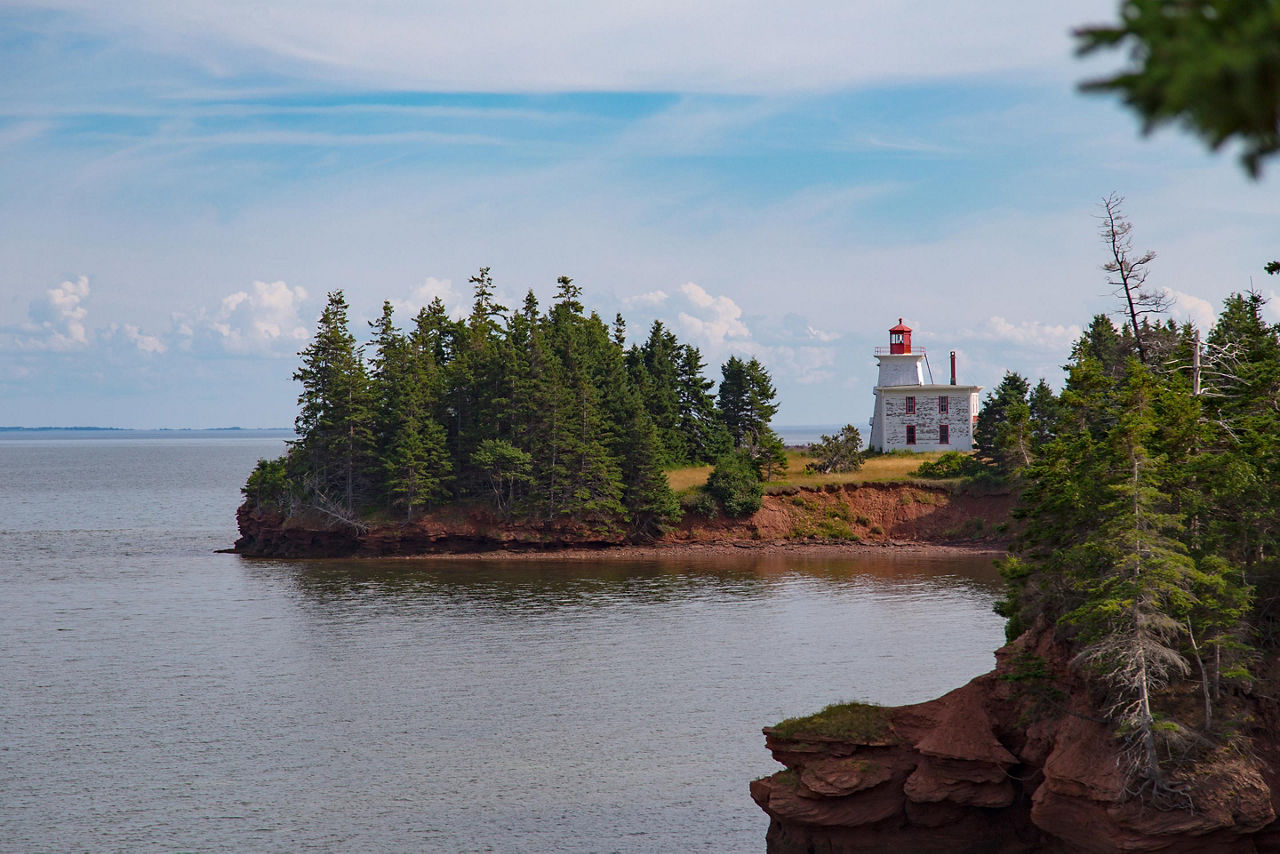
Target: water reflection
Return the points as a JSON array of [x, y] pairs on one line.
[[543, 584]]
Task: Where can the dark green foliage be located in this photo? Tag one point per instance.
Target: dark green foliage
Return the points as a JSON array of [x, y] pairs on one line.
[[543, 414], [269, 485], [1004, 433], [735, 482], [952, 464], [1211, 65], [747, 406], [1152, 515], [335, 418], [505, 466], [839, 453]]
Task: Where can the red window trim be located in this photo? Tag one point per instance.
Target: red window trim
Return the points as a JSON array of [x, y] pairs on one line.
[[911, 434], [944, 434], [944, 403], [910, 404]]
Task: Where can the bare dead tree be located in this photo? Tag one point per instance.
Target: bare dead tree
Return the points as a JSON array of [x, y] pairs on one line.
[[1127, 272]]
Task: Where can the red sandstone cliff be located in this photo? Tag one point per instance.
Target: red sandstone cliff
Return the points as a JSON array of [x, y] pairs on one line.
[[1005, 764], [871, 512]]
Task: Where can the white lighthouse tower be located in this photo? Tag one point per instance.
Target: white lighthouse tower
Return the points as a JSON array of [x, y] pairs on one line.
[[913, 415]]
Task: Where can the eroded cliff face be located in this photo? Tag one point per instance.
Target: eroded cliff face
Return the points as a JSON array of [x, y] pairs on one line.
[[1008, 763], [871, 513], [266, 533]]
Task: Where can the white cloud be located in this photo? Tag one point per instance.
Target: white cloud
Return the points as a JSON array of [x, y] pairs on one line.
[[648, 299], [423, 294], [1199, 312], [148, 344], [822, 335], [58, 321], [579, 45], [261, 319], [1055, 338], [717, 318]]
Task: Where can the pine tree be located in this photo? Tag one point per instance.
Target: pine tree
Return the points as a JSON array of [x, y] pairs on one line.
[[410, 443], [334, 418], [1003, 434], [747, 406], [1137, 610]]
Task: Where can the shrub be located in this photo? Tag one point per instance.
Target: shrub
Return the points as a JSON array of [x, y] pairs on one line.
[[839, 453], [699, 502], [269, 484], [952, 464], [736, 484]]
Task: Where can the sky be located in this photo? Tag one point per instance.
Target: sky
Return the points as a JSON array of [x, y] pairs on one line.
[[181, 184]]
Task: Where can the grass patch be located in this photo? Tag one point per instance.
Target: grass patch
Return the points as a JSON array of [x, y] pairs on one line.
[[861, 722], [885, 468], [688, 478]]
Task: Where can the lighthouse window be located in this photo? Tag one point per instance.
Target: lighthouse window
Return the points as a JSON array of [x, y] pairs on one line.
[[944, 434], [911, 431], [944, 404], [911, 406]]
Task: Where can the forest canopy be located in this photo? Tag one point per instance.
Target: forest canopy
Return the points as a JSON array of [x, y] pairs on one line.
[[1151, 526], [543, 414]]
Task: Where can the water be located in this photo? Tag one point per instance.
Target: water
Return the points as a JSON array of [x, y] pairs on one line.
[[157, 696]]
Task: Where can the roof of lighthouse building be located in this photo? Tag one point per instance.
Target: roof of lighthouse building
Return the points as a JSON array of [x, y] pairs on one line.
[[900, 327]]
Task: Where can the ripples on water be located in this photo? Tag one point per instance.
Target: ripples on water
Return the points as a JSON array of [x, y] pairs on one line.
[[158, 696]]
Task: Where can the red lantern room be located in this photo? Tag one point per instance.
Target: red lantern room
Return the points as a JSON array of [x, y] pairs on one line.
[[899, 339]]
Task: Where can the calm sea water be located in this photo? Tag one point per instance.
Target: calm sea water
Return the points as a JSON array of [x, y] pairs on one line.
[[156, 696]]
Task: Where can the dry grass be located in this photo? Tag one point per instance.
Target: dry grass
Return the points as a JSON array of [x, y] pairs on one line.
[[682, 479], [893, 467]]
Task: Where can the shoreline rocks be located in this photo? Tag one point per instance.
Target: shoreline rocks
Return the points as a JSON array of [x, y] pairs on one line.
[[1005, 764]]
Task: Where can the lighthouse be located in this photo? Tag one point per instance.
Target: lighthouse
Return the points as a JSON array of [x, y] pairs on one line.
[[914, 415]]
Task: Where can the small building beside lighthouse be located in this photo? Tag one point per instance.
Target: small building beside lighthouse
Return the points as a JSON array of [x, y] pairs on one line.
[[913, 415]]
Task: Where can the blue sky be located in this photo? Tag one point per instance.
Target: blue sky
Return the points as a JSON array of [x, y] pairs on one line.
[[183, 183]]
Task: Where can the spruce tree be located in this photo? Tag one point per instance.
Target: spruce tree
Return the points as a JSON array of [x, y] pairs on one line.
[[334, 418]]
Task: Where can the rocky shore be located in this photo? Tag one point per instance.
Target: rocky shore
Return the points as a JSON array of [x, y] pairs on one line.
[[1015, 761], [832, 517]]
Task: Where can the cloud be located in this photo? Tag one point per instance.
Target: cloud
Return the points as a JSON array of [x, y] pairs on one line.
[[806, 365], [1056, 338], [579, 45], [648, 299], [23, 132], [822, 335], [259, 320], [423, 294], [148, 344], [717, 318], [1199, 312], [58, 321]]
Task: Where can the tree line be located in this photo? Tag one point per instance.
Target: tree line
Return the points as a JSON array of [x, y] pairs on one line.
[[1151, 525], [544, 414]]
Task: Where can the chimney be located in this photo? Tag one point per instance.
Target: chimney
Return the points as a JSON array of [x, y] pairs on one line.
[[953, 367]]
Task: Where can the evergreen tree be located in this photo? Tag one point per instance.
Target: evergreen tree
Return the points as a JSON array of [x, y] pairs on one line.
[[1004, 433], [699, 424], [334, 416], [410, 443], [747, 406], [839, 453]]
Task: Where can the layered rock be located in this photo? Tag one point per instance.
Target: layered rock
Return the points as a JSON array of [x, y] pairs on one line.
[[1003, 764], [848, 512]]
